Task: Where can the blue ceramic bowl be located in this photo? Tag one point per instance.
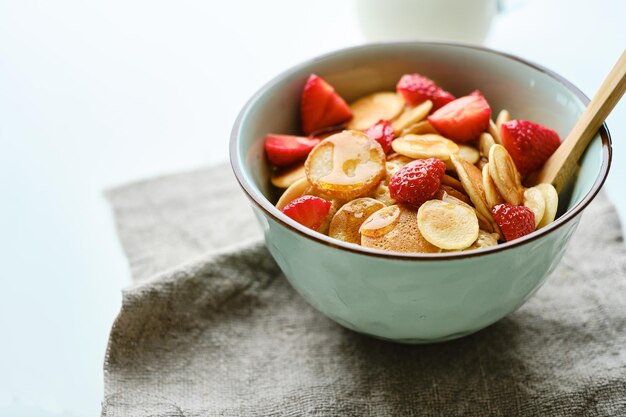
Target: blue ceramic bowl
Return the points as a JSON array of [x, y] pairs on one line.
[[415, 298]]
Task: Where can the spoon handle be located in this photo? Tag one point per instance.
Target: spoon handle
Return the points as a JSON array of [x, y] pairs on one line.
[[560, 166]]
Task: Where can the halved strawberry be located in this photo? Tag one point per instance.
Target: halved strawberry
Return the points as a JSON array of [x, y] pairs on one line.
[[462, 119], [381, 132], [321, 106], [417, 182], [284, 150], [513, 221], [416, 88], [530, 144], [308, 210]]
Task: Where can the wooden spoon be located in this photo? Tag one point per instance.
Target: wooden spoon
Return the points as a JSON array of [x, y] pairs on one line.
[[561, 165]]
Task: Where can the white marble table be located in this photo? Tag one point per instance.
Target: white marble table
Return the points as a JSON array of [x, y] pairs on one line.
[[95, 94]]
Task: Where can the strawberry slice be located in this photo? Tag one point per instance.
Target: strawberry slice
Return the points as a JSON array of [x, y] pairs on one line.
[[530, 144], [514, 221], [321, 106], [381, 132], [416, 89], [308, 210], [284, 150], [462, 119]]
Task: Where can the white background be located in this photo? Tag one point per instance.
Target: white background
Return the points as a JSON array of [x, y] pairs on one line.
[[95, 94]]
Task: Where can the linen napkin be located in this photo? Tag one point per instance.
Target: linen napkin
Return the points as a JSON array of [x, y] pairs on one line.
[[212, 328]]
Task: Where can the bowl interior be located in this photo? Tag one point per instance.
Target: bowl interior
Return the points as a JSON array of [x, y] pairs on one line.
[[525, 90]]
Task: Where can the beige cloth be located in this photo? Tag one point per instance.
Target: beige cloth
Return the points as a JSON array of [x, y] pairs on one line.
[[212, 328]]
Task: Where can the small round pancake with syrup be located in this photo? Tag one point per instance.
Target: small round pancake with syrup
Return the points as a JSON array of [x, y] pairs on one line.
[[425, 146], [411, 115], [347, 221], [533, 199], [346, 165], [492, 195], [284, 177], [551, 198], [368, 110], [447, 225], [395, 229], [505, 175]]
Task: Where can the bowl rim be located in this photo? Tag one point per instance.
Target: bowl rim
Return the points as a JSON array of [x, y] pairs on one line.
[[264, 204]]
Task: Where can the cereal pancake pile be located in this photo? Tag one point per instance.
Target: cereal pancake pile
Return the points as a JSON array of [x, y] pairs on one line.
[[416, 170]]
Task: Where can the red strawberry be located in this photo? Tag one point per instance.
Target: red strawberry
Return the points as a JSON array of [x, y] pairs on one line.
[[529, 144], [416, 88], [284, 150], [381, 132], [321, 106], [308, 210], [462, 119], [514, 221], [417, 182]]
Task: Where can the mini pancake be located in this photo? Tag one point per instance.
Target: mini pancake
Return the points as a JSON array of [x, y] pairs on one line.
[[483, 223], [484, 240], [425, 146], [411, 115], [452, 182], [486, 224], [447, 225], [335, 206], [494, 132], [447, 190], [533, 199], [346, 165], [395, 229], [284, 177], [380, 222], [419, 128], [395, 162], [327, 134], [382, 194], [368, 110], [505, 175], [469, 153], [485, 142], [472, 180], [503, 117], [551, 198], [492, 195], [347, 221], [295, 190]]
